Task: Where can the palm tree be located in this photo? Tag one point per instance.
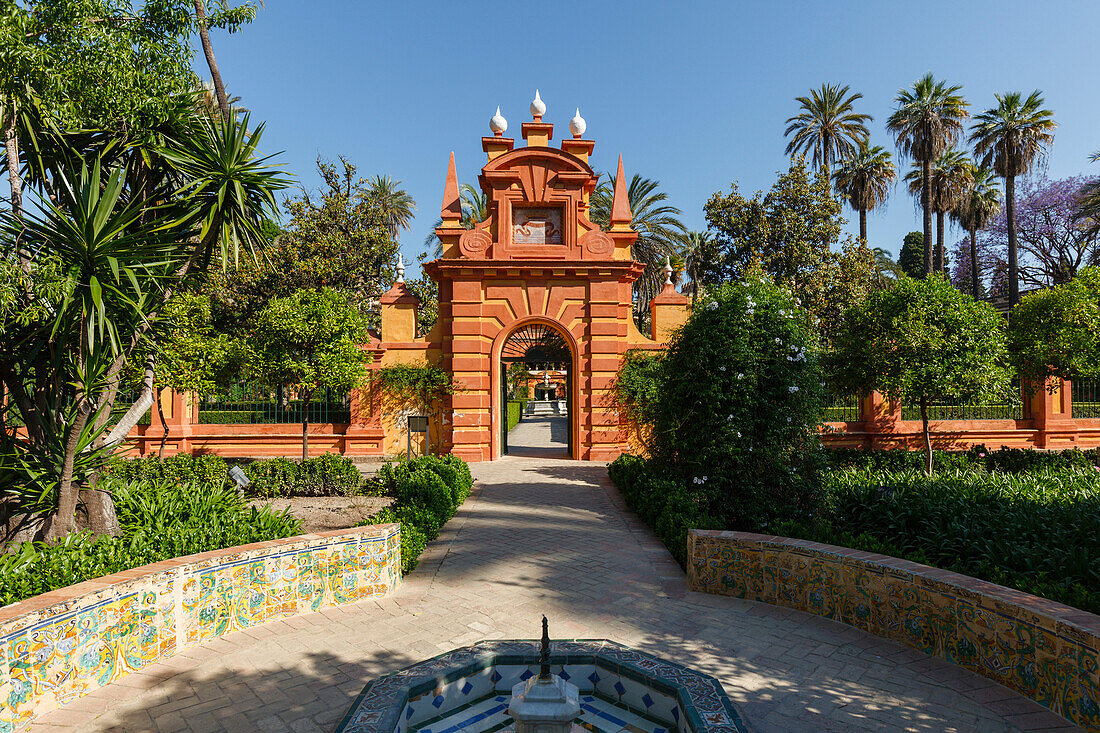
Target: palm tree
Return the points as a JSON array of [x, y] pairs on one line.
[[886, 269], [475, 208], [697, 249], [951, 176], [865, 180], [979, 203], [394, 203], [828, 129], [1088, 205], [211, 62], [660, 231], [927, 121], [1009, 137]]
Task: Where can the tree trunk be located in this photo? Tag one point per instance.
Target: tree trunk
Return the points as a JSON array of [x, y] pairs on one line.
[[1010, 210], [306, 397], [208, 50], [143, 403], [939, 264], [15, 181], [61, 522], [927, 436], [926, 205], [863, 225], [163, 425], [101, 512], [974, 262]]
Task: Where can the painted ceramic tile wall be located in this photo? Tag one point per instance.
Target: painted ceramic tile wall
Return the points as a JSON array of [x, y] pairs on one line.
[[60, 645], [1045, 650]]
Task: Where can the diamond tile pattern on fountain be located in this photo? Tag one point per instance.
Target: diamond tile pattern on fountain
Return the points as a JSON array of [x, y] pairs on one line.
[[627, 690]]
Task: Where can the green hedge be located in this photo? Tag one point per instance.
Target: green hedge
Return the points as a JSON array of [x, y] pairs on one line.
[[1024, 519], [515, 412], [325, 475], [662, 502], [159, 519], [978, 458], [1038, 532], [427, 492]]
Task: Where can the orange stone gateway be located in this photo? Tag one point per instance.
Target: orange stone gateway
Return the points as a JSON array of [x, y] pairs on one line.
[[536, 259]]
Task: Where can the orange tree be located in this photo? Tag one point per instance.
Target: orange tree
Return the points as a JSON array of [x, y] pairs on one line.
[[919, 342]]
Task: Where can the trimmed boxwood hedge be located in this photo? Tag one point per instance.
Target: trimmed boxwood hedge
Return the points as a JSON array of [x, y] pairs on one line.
[[427, 492], [325, 475]]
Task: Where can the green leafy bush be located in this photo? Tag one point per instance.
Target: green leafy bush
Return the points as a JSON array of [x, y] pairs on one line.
[[427, 492], [731, 410], [662, 502], [325, 475], [1038, 531], [160, 519], [515, 412], [978, 458]]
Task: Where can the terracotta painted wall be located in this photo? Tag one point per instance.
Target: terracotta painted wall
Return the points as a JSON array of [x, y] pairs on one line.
[[1042, 649], [60, 645]]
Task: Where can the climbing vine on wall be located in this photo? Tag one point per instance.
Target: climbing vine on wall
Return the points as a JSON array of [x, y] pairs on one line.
[[423, 384]]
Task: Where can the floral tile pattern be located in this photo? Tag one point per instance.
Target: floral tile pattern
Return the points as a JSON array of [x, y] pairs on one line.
[[52, 656], [1039, 648]]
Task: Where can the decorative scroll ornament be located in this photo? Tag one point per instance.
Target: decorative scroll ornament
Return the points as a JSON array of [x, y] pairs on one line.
[[474, 242], [597, 243]]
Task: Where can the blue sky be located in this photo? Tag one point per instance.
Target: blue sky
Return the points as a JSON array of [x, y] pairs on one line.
[[692, 94]]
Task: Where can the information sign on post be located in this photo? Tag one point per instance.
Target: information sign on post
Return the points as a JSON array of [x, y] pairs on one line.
[[418, 424]]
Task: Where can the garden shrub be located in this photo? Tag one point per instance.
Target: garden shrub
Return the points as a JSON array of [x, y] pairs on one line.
[[160, 519], [731, 413], [325, 475], [978, 458], [1038, 532], [427, 492]]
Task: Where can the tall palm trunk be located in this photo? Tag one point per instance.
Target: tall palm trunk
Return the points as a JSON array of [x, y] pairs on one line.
[[926, 204], [208, 51], [974, 262], [939, 264], [1010, 210], [863, 225]]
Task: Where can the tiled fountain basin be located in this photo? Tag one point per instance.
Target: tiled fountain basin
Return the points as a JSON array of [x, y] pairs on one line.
[[467, 691]]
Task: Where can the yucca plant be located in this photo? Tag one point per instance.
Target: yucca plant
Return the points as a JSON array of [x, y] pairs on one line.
[[122, 222]]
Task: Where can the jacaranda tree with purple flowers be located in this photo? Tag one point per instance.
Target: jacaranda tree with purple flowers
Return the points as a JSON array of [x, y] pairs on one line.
[[1053, 247]]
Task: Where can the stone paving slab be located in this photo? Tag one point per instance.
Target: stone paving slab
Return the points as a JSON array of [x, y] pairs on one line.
[[542, 536]]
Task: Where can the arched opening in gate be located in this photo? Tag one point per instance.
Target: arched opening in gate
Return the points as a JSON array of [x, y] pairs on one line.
[[536, 390]]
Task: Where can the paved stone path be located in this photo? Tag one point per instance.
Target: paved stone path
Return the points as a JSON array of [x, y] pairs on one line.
[[542, 536], [540, 436]]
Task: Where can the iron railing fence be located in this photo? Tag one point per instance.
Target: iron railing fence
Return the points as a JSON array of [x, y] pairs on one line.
[[842, 408], [252, 403], [1086, 398], [959, 410]]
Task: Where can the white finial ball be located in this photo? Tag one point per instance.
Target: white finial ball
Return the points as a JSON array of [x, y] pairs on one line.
[[538, 107], [577, 125], [498, 124], [668, 271], [400, 268]]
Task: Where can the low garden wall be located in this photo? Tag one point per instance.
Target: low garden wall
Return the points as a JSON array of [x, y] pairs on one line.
[[60, 645], [1044, 650]]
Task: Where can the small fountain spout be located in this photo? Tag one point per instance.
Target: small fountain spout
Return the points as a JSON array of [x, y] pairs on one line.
[[547, 703], [544, 655]]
